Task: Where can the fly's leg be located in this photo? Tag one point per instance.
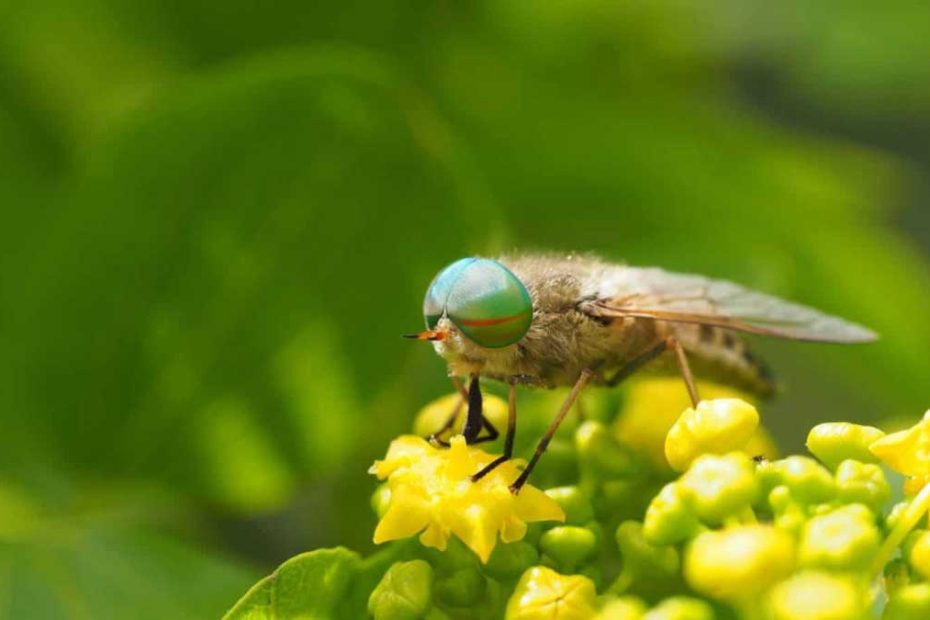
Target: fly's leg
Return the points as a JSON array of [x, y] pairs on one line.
[[638, 362], [544, 442], [473, 397], [508, 441], [435, 438], [492, 432], [685, 370], [650, 354], [474, 420]]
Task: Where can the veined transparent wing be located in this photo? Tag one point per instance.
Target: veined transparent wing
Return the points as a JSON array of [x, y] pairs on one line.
[[658, 294]]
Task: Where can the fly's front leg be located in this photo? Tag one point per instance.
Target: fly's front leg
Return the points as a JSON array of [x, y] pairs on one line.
[[436, 437], [511, 431], [474, 419], [544, 442]]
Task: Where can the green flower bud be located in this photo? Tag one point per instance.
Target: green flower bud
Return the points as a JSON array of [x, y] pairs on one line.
[[720, 486], [509, 560], [601, 453], [380, 499], [790, 516], [909, 603], [641, 557], [845, 539], [622, 608], [568, 545], [834, 442], [737, 564], [404, 593], [807, 479], [814, 595], [791, 521], [543, 594], [863, 483], [574, 502], [650, 571], [681, 608], [454, 557], [918, 553], [891, 519], [670, 518], [462, 588], [780, 499]]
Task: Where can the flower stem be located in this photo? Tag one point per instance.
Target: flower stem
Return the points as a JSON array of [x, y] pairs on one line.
[[912, 514]]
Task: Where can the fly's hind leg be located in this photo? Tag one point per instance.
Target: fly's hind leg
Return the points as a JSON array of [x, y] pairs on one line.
[[544, 442], [685, 370], [650, 354]]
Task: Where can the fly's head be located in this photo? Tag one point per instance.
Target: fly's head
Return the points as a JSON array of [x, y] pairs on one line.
[[476, 310]]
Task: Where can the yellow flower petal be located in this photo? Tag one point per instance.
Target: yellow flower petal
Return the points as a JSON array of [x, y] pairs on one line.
[[907, 451], [401, 453], [534, 505], [514, 529], [434, 536], [402, 519], [913, 486]]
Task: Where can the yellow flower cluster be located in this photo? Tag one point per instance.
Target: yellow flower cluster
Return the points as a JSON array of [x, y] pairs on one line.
[[431, 493]]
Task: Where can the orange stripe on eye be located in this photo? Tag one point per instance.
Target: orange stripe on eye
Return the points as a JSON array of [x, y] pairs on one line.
[[489, 322]]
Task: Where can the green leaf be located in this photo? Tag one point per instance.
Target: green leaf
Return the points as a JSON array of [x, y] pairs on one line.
[[310, 586]]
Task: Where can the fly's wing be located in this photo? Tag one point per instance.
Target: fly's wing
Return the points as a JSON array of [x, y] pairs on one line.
[[658, 294]]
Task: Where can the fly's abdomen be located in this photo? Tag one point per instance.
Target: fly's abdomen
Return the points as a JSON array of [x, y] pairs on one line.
[[720, 355]]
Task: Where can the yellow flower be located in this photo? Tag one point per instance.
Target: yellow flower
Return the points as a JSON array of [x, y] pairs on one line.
[[432, 494], [543, 594], [907, 451]]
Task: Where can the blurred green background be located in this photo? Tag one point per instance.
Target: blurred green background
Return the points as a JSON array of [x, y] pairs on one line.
[[218, 218]]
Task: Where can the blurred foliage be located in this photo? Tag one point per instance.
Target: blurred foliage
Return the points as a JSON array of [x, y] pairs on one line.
[[218, 218]]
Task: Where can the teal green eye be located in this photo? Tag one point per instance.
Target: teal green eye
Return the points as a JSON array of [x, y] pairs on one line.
[[438, 292], [484, 299]]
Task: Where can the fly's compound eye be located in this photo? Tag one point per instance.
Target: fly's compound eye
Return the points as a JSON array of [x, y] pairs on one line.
[[434, 304], [489, 304]]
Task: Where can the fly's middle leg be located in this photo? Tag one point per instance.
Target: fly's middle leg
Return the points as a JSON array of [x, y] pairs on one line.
[[508, 440], [553, 427]]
